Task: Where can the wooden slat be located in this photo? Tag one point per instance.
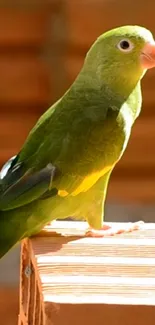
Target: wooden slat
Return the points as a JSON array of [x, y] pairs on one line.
[[23, 27], [9, 305], [23, 79], [72, 65], [140, 150], [148, 90], [87, 19], [77, 273], [68, 272], [131, 190], [13, 132], [13, 125]]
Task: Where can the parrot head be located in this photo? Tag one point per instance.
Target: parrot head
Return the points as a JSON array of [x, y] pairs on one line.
[[122, 55]]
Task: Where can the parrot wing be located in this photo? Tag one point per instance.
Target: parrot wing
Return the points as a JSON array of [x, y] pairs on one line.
[[23, 187], [21, 180]]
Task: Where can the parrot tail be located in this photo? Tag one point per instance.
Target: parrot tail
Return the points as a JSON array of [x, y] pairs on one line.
[[8, 235]]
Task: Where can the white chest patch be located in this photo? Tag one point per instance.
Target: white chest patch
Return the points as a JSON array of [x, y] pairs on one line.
[[128, 122]]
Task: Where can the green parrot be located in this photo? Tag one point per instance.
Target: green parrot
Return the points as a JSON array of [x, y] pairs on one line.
[[64, 166]]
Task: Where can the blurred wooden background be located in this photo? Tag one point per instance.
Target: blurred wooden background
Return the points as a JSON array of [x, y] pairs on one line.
[[42, 47]]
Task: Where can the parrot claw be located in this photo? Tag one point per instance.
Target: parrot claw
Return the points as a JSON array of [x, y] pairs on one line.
[[107, 230]]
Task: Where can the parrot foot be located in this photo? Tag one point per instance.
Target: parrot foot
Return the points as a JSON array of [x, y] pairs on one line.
[[107, 230]]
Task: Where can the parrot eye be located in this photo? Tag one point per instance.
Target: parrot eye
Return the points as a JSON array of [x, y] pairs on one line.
[[125, 45]]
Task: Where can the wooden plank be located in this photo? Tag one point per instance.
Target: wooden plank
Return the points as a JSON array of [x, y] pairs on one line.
[[13, 132], [75, 273], [131, 190], [23, 27], [24, 79], [148, 90], [140, 150], [28, 4], [72, 65], [9, 305], [87, 19]]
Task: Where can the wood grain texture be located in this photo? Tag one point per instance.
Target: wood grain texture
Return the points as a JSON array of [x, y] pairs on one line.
[[87, 19], [9, 305], [25, 83], [76, 273], [23, 28], [25, 79], [13, 132]]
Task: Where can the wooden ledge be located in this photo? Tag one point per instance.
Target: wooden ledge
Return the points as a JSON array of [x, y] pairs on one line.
[[67, 279]]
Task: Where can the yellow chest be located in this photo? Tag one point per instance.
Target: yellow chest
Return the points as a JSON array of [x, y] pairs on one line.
[[86, 183]]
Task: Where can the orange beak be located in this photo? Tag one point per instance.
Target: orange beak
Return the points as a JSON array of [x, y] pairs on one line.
[[148, 56]]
